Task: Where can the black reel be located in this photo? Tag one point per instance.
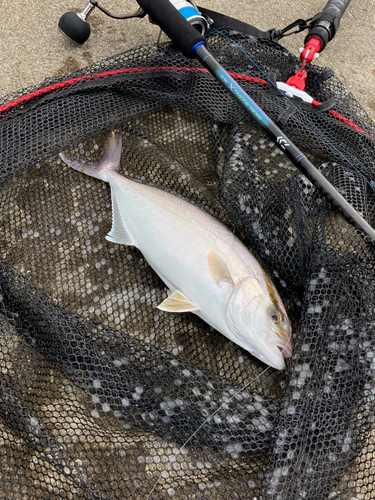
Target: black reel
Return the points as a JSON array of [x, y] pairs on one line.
[[74, 25]]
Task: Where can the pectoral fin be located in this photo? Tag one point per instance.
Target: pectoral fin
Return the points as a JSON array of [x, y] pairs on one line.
[[177, 302], [218, 269]]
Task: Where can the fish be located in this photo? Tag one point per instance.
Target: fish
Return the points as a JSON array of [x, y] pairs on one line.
[[207, 270]]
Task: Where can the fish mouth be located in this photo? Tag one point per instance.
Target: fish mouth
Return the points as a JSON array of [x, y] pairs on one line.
[[265, 351], [283, 343], [285, 350]]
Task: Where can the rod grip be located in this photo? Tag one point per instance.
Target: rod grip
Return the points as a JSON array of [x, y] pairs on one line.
[[326, 26], [174, 25]]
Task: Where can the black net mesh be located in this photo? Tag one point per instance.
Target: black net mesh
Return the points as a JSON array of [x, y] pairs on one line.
[[99, 389]]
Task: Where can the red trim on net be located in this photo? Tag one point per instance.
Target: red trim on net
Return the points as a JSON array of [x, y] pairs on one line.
[[46, 90], [347, 121], [343, 119], [66, 83]]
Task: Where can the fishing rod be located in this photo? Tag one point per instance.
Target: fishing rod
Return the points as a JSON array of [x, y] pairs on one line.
[[193, 44], [186, 26]]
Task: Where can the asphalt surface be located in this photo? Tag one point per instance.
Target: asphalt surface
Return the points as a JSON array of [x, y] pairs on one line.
[[32, 47]]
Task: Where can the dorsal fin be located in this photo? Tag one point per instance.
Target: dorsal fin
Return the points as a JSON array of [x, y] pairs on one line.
[[118, 233]]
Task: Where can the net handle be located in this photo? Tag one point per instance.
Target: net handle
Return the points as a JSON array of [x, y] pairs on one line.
[[327, 24]]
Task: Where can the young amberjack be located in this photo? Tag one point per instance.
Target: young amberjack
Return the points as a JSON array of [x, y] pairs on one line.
[[207, 270]]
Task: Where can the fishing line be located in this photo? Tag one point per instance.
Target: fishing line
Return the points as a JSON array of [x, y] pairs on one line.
[[292, 103], [212, 415]]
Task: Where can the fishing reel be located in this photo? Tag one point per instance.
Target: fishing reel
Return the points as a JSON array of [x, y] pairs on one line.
[[76, 27]]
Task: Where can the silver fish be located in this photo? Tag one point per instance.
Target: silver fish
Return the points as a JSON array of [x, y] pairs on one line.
[[207, 270]]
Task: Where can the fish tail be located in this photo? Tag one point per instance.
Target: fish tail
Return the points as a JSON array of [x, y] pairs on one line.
[[109, 161]]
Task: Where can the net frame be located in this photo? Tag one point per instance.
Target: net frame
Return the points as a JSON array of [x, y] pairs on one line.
[[305, 433]]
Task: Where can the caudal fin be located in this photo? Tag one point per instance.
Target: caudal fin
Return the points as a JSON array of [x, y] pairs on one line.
[[110, 159]]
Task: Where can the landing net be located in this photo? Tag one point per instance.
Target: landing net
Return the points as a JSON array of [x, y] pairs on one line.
[[99, 390]]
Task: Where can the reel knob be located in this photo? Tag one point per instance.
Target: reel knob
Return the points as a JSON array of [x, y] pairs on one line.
[[74, 27]]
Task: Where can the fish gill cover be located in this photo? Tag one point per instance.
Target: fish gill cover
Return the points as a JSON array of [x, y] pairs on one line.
[[100, 390]]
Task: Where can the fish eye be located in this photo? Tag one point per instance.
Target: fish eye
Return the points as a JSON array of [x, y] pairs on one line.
[[276, 316]]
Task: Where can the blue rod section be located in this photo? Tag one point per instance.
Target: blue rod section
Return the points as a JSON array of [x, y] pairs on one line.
[[284, 143], [243, 98]]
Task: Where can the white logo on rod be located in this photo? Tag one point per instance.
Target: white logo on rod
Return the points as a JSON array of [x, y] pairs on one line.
[[282, 142]]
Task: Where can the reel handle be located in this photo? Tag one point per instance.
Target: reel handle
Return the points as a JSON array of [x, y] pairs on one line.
[[169, 19]]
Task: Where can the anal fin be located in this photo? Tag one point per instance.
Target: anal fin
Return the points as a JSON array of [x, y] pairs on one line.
[[177, 302], [118, 233]]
